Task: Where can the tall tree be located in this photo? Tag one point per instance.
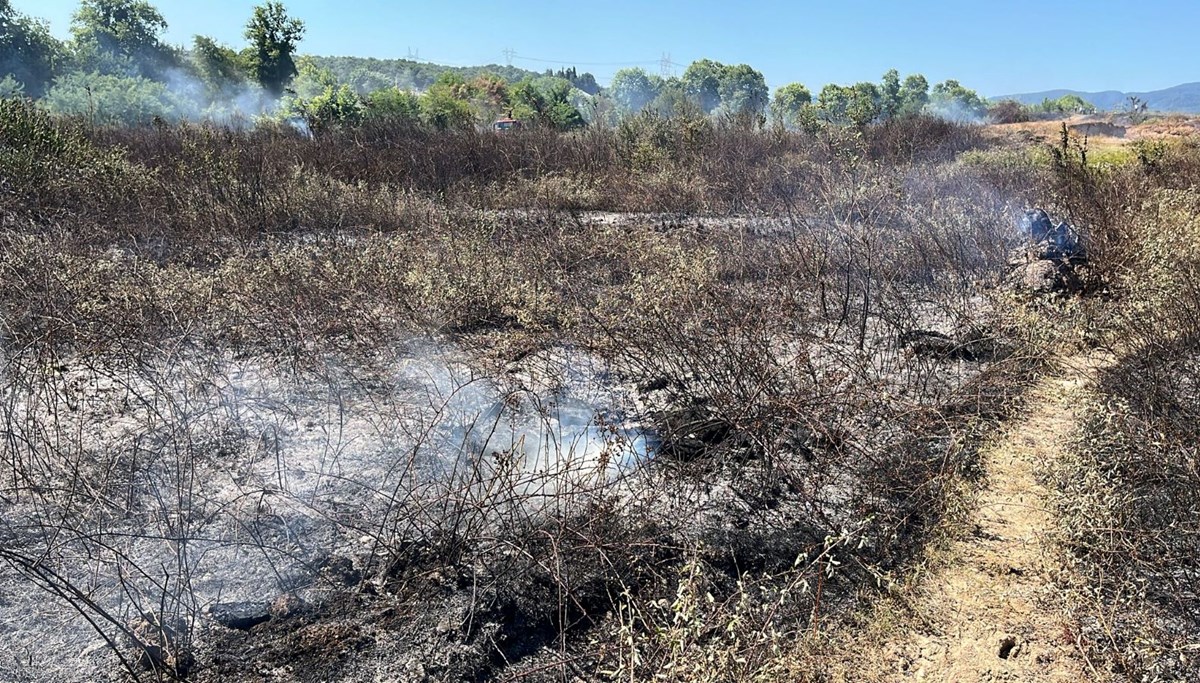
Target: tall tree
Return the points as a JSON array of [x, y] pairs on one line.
[[546, 101], [889, 93], [219, 66], [702, 82], [792, 104], [743, 91], [914, 95], [491, 97], [121, 37], [587, 83], [834, 102], [273, 36], [952, 100], [27, 51], [632, 89], [446, 104], [864, 103], [673, 100]]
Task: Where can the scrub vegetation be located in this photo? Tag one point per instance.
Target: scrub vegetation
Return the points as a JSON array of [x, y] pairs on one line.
[[694, 388]]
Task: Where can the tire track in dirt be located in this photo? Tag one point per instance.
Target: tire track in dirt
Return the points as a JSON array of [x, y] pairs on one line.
[[991, 611]]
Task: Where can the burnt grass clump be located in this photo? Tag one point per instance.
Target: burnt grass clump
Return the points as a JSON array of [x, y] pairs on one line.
[[245, 373]]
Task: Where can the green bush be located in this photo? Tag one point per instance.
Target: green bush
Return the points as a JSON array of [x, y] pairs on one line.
[[106, 99], [46, 162], [11, 87], [336, 106], [393, 104]]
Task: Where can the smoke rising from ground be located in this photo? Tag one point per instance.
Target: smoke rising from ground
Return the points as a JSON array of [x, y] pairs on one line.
[[247, 479], [956, 112]]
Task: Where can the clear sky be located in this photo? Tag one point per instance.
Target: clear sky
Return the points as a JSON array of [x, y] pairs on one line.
[[994, 46]]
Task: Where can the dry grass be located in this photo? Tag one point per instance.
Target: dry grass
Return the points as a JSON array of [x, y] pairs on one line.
[[251, 345]]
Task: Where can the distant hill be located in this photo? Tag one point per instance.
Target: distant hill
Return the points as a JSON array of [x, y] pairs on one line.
[[1184, 99], [366, 74]]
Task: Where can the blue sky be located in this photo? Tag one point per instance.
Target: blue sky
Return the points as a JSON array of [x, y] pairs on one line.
[[995, 46]]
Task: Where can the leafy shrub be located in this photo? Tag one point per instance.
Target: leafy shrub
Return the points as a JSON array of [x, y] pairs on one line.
[[336, 106], [11, 87], [394, 105], [47, 163], [111, 99]]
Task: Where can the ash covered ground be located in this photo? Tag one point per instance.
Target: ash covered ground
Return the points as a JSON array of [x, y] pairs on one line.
[[401, 514]]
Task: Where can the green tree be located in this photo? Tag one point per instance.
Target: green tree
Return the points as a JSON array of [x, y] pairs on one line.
[[858, 104], [951, 100], [633, 89], [273, 36], [586, 82], [365, 80], [491, 97], [546, 102], [792, 106], [525, 101], [702, 82], [743, 91], [338, 105], [1067, 104], [394, 105], [446, 104], [673, 100], [11, 87], [890, 89], [833, 102], [864, 104], [121, 37], [1074, 104], [113, 99], [914, 95], [27, 51], [311, 79], [220, 67], [561, 112]]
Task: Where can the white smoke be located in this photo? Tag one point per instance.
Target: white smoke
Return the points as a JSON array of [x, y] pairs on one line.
[[570, 426], [267, 474], [233, 104], [956, 111]]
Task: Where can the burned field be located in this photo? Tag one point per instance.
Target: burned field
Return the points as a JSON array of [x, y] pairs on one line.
[[664, 400]]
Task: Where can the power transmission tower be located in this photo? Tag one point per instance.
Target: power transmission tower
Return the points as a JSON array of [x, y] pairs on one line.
[[509, 53], [414, 55], [665, 66]]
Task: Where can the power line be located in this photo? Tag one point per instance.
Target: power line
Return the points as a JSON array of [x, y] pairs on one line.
[[415, 56], [644, 62]]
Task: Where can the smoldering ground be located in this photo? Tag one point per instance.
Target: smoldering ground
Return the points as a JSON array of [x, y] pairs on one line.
[[375, 427]]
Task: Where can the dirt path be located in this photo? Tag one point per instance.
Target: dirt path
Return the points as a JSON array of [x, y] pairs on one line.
[[989, 611]]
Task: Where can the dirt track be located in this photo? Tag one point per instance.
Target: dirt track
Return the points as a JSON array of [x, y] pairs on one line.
[[991, 612]]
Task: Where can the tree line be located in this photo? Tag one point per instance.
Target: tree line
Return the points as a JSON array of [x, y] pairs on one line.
[[116, 67]]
